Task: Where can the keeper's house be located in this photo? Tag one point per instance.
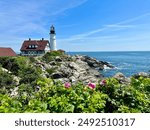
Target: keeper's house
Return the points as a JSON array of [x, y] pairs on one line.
[[39, 47], [34, 47]]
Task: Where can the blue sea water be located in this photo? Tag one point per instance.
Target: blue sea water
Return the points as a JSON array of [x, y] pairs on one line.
[[128, 63]]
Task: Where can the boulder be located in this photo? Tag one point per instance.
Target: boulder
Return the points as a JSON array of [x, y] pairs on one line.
[[47, 66], [122, 78], [73, 65], [58, 59], [73, 79], [141, 74], [93, 63], [16, 80], [146, 75], [119, 75], [5, 70], [14, 92]]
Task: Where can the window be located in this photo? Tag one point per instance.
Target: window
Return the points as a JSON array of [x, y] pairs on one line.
[[33, 46]]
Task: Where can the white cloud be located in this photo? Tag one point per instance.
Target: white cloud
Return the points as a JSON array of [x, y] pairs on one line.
[[125, 42], [110, 27], [62, 5]]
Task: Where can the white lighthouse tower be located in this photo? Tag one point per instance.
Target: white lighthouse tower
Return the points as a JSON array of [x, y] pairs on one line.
[[52, 39]]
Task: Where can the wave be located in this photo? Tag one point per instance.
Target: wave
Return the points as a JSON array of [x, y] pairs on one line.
[[108, 68]]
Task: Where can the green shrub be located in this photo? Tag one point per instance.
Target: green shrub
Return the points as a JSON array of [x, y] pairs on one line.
[[14, 64], [29, 75], [126, 98], [9, 105], [6, 81], [49, 56], [51, 70], [55, 98]]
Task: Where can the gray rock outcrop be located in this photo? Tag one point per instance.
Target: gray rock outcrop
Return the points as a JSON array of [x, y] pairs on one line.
[[141, 74], [122, 78], [73, 69]]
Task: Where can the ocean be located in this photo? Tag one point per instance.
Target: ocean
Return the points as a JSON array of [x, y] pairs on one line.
[[128, 63]]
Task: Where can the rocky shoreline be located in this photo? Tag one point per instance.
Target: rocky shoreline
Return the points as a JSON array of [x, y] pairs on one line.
[[64, 68], [80, 68], [73, 69]]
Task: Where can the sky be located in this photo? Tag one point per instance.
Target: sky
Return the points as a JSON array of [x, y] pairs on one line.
[[81, 25]]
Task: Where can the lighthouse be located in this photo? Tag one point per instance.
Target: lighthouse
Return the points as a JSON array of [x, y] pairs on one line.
[[52, 39]]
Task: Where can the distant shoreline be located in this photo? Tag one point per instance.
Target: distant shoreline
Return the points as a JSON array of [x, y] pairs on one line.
[[102, 51], [94, 51]]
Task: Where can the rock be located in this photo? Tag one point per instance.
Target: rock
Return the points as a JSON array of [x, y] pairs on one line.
[[16, 80], [73, 79], [53, 63], [122, 78], [119, 76], [47, 66], [108, 65], [74, 68], [141, 74], [58, 59], [82, 64], [79, 71], [95, 73], [76, 74], [62, 80], [92, 62], [65, 70], [5, 70], [41, 65], [14, 92], [57, 75]]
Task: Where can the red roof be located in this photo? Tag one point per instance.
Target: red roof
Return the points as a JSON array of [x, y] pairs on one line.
[[41, 45], [7, 52]]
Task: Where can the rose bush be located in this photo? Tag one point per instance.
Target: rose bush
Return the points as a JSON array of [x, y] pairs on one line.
[[109, 96]]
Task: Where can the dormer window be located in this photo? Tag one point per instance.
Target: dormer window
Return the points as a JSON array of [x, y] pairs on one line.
[[32, 46]]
